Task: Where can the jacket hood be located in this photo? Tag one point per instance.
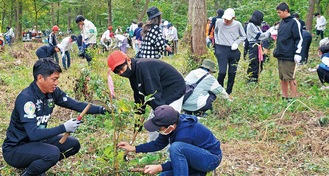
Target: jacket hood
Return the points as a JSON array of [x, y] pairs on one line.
[[257, 18], [187, 120]]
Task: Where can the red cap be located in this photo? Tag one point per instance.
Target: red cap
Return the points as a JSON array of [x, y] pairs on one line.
[[55, 28], [110, 28], [116, 58]]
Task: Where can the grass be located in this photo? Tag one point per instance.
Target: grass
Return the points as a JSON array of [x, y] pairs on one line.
[[260, 134]]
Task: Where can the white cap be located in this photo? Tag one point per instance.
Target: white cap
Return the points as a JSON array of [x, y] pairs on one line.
[[228, 14], [165, 23]]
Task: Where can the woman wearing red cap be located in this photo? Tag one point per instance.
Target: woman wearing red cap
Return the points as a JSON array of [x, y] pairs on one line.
[[150, 77]]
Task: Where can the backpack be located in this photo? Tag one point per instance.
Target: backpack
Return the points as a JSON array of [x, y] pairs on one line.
[[190, 88]]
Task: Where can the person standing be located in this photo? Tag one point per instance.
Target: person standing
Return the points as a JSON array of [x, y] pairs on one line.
[[9, 35], [220, 13], [173, 37], [53, 41], [153, 43], [194, 149], [29, 143], [229, 33], [254, 36], [288, 50], [320, 26], [67, 46], [89, 33], [138, 37], [205, 92], [148, 77]]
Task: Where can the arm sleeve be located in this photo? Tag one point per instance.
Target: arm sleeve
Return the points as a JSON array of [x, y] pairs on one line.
[[30, 122], [297, 36], [61, 99], [90, 31], [159, 40], [242, 36]]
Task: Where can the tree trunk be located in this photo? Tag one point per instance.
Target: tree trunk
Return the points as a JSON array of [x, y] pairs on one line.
[[69, 19], [309, 16], [198, 21], [109, 5], [18, 27], [141, 15], [52, 15]]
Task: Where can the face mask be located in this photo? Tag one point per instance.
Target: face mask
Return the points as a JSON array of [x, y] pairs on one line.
[[166, 133], [319, 54], [127, 73]]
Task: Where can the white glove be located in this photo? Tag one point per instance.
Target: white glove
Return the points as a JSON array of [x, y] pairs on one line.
[[72, 125], [271, 29], [297, 58], [234, 46]]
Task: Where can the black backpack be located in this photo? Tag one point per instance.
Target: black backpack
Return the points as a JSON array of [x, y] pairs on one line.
[[190, 88]]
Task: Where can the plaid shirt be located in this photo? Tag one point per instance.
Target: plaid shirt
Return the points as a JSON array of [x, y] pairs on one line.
[[152, 44]]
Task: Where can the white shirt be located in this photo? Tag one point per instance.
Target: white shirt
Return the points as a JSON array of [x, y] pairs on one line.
[[321, 23], [89, 32]]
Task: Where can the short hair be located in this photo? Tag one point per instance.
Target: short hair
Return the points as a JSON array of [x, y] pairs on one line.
[[79, 19], [283, 6], [45, 67], [295, 15], [220, 12], [140, 24], [324, 48], [316, 14]]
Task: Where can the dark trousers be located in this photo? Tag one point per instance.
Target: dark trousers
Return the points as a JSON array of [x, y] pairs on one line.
[[255, 67], [55, 56], [227, 58], [319, 32], [323, 75], [38, 157], [212, 97]]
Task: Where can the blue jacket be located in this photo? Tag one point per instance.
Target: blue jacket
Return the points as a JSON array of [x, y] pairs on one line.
[[29, 119], [188, 130], [289, 41], [45, 51]]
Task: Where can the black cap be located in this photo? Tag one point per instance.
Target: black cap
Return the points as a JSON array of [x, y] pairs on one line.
[[74, 38], [153, 12], [164, 115]]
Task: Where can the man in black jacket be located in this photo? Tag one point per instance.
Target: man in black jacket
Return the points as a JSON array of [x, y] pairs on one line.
[[150, 77], [288, 50], [29, 143], [47, 51]]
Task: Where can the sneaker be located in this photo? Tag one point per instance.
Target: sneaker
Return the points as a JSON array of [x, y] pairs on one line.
[[324, 88]]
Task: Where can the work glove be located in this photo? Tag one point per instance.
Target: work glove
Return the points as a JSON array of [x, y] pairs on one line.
[[234, 46], [72, 125], [271, 29], [297, 58]]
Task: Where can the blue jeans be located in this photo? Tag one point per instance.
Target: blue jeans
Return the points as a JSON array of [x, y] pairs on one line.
[[8, 40], [188, 159], [68, 63]]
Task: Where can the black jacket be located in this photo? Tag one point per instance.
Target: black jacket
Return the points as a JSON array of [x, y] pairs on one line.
[[153, 76], [33, 109], [289, 41], [45, 51]]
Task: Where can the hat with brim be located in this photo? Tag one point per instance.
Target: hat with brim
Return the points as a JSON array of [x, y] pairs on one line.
[[164, 115], [153, 12], [229, 14], [116, 58], [208, 64]]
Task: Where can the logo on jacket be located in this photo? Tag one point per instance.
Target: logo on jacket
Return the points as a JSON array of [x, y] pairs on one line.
[[51, 103], [29, 109]]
